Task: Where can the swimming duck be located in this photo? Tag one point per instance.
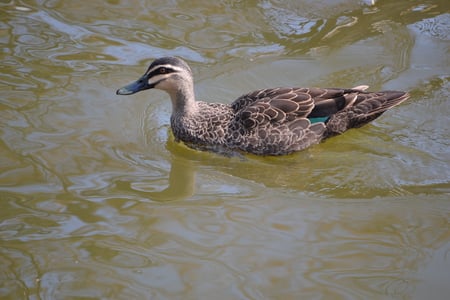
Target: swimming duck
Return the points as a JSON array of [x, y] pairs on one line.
[[272, 121]]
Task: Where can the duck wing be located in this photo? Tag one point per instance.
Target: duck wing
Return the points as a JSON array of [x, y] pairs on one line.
[[284, 105]]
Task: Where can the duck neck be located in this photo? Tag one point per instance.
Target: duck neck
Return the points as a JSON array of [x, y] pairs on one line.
[[183, 100]]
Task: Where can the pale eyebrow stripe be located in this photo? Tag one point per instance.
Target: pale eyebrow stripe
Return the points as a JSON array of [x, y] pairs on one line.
[[170, 67]]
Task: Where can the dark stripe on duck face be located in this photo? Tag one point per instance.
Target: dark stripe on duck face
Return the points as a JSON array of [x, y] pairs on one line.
[[159, 71]]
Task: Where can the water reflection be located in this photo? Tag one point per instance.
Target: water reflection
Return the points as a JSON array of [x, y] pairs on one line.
[[356, 250], [180, 183]]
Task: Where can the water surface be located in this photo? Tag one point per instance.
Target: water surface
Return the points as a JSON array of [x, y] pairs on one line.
[[99, 202]]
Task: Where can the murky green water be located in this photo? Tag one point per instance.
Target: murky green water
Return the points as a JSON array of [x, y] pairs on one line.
[[98, 201]]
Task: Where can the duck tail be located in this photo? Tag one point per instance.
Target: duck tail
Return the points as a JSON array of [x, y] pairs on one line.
[[367, 107]]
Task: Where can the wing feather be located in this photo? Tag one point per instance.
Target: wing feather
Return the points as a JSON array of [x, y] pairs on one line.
[[275, 105]]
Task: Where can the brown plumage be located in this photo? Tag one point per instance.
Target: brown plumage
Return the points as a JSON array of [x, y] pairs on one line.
[[271, 121]]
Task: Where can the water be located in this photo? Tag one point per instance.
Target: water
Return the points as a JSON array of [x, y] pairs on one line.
[[99, 202]]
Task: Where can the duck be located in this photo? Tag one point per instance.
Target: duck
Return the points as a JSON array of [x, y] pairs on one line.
[[269, 121]]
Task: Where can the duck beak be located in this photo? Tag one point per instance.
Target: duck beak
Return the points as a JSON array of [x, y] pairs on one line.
[[134, 87]]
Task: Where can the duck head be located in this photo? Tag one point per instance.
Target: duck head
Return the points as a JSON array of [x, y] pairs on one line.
[[169, 74]]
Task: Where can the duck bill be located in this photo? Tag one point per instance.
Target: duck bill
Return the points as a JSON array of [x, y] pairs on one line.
[[134, 87]]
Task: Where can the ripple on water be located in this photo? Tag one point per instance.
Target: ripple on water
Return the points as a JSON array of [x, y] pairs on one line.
[[288, 22], [113, 208], [438, 27]]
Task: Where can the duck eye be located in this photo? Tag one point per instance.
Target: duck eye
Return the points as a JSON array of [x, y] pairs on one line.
[[162, 70]]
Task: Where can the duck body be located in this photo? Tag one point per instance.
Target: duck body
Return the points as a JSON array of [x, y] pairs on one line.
[[273, 121]]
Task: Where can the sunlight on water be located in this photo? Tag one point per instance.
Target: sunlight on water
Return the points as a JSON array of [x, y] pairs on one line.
[[99, 201]]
